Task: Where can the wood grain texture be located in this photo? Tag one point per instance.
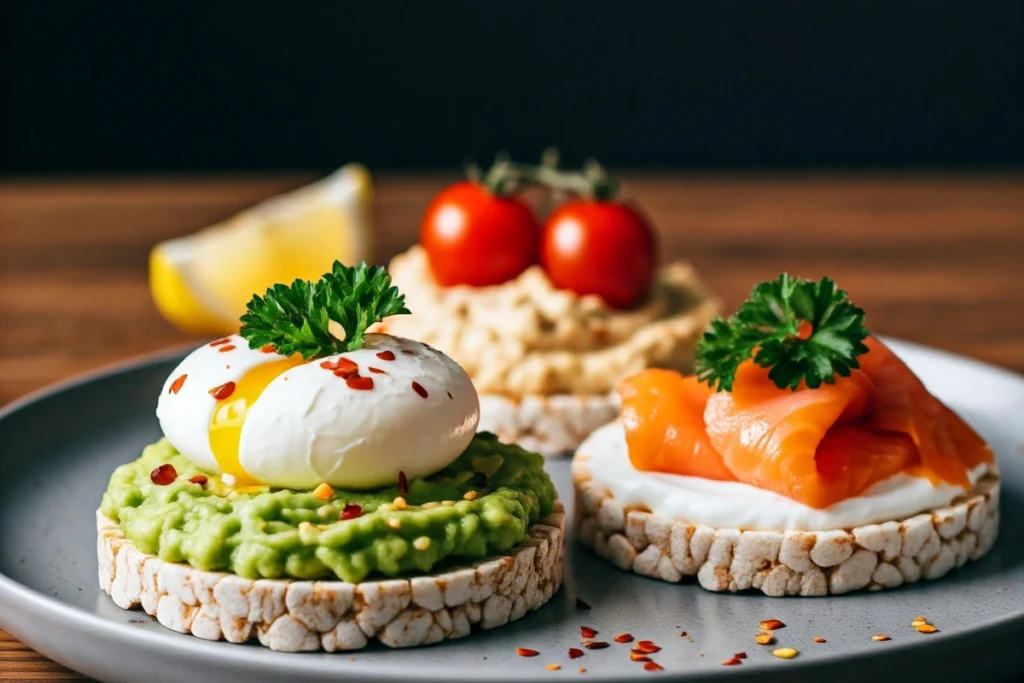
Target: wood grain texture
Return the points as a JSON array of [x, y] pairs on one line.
[[936, 259]]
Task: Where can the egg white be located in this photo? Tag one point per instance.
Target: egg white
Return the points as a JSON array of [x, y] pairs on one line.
[[185, 416], [308, 426]]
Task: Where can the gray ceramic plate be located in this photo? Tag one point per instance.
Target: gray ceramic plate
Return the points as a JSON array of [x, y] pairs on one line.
[[57, 449]]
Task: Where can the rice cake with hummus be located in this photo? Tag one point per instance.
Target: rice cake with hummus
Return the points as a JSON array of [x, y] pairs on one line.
[[546, 361], [547, 319]]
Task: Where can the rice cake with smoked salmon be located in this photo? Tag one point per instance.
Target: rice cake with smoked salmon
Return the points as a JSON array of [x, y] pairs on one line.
[[783, 562], [869, 482]]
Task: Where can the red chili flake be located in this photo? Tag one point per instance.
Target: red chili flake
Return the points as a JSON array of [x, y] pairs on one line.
[[177, 384], [683, 634], [582, 604], [350, 511], [199, 479], [732, 662], [647, 647], [225, 349], [635, 656], [359, 383], [163, 475], [624, 638], [268, 348], [575, 653], [771, 625], [403, 483], [223, 391], [225, 340], [595, 645], [376, 371], [653, 666], [343, 367], [819, 639], [418, 388], [386, 355], [740, 655], [526, 652], [587, 632]]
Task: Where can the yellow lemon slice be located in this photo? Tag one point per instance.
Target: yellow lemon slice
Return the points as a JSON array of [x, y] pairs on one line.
[[202, 282]]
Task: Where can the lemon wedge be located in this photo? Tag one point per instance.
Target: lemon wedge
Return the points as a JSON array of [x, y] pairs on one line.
[[202, 282]]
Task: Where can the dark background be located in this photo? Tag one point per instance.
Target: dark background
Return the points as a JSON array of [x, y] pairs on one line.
[[174, 86]]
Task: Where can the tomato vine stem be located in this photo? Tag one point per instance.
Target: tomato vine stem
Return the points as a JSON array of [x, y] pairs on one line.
[[508, 177]]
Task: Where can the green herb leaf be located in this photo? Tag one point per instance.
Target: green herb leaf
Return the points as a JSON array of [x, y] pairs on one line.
[[767, 328], [296, 318]]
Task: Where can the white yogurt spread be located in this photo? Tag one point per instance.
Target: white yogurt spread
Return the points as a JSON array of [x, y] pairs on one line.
[[732, 505]]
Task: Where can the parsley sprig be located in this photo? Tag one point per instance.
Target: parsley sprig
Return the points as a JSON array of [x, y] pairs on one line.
[[772, 328], [295, 318]]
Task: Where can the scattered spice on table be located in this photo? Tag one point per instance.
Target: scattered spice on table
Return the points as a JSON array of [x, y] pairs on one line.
[[647, 647], [771, 625]]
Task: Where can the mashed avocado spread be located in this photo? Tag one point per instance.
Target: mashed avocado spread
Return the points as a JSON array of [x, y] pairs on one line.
[[280, 533]]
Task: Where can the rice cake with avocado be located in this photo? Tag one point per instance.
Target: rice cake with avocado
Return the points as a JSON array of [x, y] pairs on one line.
[[316, 493], [480, 505]]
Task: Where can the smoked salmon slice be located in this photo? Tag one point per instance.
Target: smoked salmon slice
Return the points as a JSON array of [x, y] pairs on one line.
[[815, 446], [663, 413]]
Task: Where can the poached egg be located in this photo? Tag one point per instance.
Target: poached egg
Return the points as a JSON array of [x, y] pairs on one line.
[[353, 420]]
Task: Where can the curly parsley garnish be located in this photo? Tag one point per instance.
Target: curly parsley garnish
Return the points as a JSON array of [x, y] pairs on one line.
[[295, 318], [805, 332]]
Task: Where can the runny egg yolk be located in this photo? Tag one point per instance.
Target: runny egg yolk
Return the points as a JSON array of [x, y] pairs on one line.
[[229, 417]]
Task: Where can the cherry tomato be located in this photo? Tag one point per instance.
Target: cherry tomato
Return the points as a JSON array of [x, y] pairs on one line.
[[600, 247], [474, 237]]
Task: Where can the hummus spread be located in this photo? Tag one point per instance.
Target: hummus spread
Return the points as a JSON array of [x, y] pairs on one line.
[[526, 337]]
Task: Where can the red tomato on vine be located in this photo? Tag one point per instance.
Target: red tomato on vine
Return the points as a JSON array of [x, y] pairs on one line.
[[600, 247], [477, 236]]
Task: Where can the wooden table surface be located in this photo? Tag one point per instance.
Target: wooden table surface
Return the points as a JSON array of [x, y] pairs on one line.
[[937, 259]]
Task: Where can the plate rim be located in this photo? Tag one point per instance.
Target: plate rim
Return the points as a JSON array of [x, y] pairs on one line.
[[20, 598]]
